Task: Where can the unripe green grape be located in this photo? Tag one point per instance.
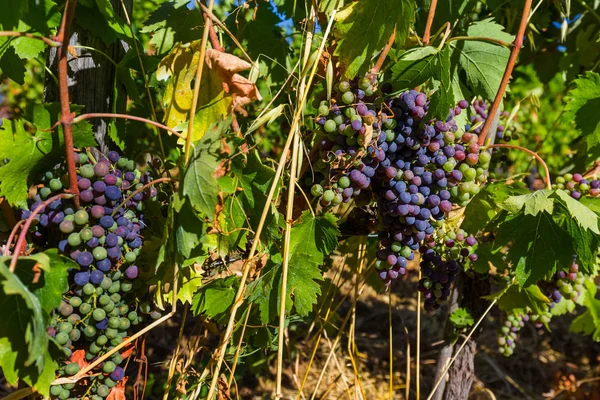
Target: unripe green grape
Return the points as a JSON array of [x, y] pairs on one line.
[[323, 110], [104, 300], [81, 217], [64, 394], [130, 257], [74, 239], [65, 327], [109, 382], [75, 301], [338, 119], [72, 368], [55, 185], [89, 289], [115, 287], [132, 315], [98, 314], [117, 358], [316, 190], [117, 340], [85, 308], [113, 322], [86, 234], [344, 182], [106, 284], [111, 333], [61, 338], [343, 86], [328, 195], [124, 323], [45, 192], [115, 297], [123, 309], [103, 390], [55, 390], [108, 367], [89, 331], [155, 315], [330, 126], [75, 335], [348, 98], [109, 307]]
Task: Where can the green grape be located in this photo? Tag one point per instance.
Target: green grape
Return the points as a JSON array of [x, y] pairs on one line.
[[111, 333], [62, 338], [117, 358], [344, 182], [81, 217], [89, 289], [85, 308], [99, 253], [64, 394], [108, 367], [74, 239], [130, 257], [75, 301], [87, 171], [330, 126], [89, 331], [99, 291], [123, 309], [45, 192], [116, 275], [86, 234], [74, 335], [65, 327], [348, 98], [55, 390], [116, 341], [124, 323], [104, 300], [113, 322], [343, 86], [55, 185], [145, 308], [98, 314], [106, 283], [328, 195], [109, 307], [132, 315], [72, 368], [109, 382], [103, 390], [155, 315], [126, 286], [115, 287], [94, 348]]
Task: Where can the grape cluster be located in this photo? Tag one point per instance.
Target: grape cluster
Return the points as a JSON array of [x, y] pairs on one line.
[[418, 167], [577, 186], [507, 335], [568, 285], [479, 114], [440, 263], [104, 237]]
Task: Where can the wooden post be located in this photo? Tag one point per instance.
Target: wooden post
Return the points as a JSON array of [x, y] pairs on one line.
[[92, 77]]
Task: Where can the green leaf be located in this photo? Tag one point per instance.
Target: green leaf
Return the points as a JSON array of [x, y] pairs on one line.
[[515, 299], [115, 22], [564, 306], [363, 28], [23, 322], [579, 212], [483, 207], [483, 62], [462, 318], [199, 183], [244, 208], [311, 240], [12, 65], [531, 204], [539, 241], [414, 68], [588, 323], [216, 298], [443, 98], [171, 24], [582, 104]]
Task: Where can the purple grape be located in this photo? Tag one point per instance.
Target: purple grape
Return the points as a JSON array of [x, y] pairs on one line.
[[112, 240], [122, 232], [96, 277], [113, 193], [114, 253], [84, 183], [85, 259], [113, 156], [87, 196], [99, 187], [107, 221], [110, 179], [130, 176], [101, 169], [131, 272], [81, 278], [117, 374], [104, 265], [102, 324]]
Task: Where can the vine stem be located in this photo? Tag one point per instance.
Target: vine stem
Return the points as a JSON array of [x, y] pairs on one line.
[[534, 154], [384, 52], [481, 39], [48, 41], [147, 185], [66, 117], [429, 23], [11, 237], [23, 234], [239, 297], [460, 348], [82, 117], [201, 62], [514, 52]]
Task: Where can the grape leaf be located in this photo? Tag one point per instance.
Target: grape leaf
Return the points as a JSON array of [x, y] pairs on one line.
[[482, 208], [483, 62], [23, 322], [443, 98], [178, 69], [531, 204], [173, 23], [414, 68], [582, 106], [312, 238], [579, 212], [216, 298], [515, 299], [12, 65], [244, 208], [199, 183], [584, 242], [539, 241], [564, 306], [363, 28], [588, 323], [462, 318]]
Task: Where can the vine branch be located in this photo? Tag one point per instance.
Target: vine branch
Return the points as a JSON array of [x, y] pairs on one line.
[[130, 117], [384, 52], [25, 229], [48, 41], [534, 154], [66, 117], [514, 52], [481, 39], [430, 16]]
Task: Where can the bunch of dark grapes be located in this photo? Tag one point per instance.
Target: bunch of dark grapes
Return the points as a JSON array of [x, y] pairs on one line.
[[104, 237], [417, 166], [508, 333], [577, 186], [479, 114], [564, 284], [441, 262]]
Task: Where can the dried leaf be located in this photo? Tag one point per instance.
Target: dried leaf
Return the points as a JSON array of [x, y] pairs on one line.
[[78, 357], [118, 391]]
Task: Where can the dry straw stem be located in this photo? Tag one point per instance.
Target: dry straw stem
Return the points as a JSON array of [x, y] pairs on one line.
[[352, 349], [517, 44], [146, 83], [176, 353], [246, 268], [462, 346]]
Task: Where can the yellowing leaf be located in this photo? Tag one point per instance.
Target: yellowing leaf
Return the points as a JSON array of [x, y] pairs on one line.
[[179, 69]]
